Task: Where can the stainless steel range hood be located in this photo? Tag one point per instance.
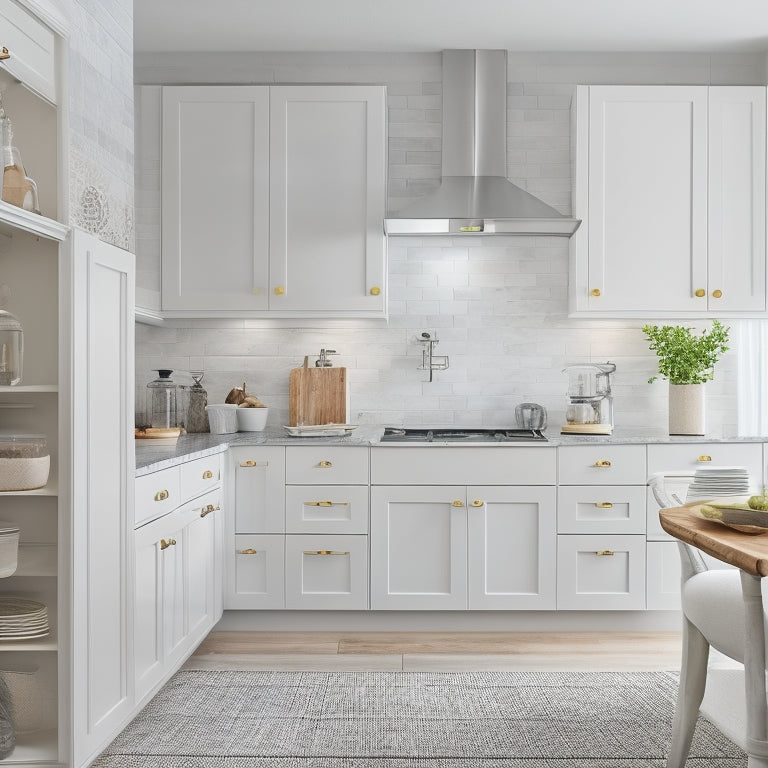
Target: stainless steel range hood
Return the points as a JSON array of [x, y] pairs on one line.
[[475, 196]]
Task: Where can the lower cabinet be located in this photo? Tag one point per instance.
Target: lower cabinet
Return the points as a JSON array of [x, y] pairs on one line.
[[178, 587], [598, 572], [459, 547]]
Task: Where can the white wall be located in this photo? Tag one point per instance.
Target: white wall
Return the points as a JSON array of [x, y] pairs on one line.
[[499, 306], [101, 165]]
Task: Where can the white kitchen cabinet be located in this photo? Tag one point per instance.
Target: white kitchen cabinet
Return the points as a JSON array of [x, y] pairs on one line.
[[273, 201], [326, 571], [599, 572], [437, 545], [256, 572], [178, 586], [662, 576], [418, 547], [670, 187], [102, 332], [258, 486]]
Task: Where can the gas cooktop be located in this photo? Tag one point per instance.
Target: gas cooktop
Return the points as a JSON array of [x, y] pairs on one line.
[[450, 435]]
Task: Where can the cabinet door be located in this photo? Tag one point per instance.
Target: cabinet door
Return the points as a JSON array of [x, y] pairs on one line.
[[256, 572], [215, 212], [418, 547], [737, 199], [102, 283], [327, 165], [662, 576], [259, 489], [647, 199], [512, 547]]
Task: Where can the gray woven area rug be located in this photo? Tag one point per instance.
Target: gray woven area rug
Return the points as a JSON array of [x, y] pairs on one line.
[[230, 719]]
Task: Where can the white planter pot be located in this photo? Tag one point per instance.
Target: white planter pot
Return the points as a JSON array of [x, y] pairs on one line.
[[686, 409]]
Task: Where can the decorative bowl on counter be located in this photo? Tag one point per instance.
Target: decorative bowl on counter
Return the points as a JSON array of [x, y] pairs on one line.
[[251, 419]]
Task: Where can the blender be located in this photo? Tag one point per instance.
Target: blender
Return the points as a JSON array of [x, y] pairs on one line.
[[590, 408]]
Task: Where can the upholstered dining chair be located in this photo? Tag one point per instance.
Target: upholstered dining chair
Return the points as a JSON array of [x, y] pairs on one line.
[[714, 616]]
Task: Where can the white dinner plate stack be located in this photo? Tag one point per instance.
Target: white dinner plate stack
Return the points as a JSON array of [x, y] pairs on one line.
[[718, 482], [22, 619]]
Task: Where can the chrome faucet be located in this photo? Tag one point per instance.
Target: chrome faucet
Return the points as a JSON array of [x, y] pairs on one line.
[[429, 360]]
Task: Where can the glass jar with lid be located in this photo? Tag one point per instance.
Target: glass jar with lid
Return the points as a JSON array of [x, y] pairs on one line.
[[11, 349], [161, 401]]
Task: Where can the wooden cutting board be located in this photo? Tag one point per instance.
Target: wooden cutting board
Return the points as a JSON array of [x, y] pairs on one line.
[[317, 395]]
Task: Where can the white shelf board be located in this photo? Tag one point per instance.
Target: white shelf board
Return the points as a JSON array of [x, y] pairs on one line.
[[14, 219], [52, 489], [28, 389], [43, 644], [34, 747]]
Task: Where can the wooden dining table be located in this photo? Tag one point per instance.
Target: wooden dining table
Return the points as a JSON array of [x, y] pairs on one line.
[[749, 553]]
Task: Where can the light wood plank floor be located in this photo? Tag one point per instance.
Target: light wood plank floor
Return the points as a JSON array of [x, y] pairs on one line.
[[439, 651]]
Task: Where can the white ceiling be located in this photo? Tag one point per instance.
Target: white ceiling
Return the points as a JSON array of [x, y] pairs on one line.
[[433, 25]]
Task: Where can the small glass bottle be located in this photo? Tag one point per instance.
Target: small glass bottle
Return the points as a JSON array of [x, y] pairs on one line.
[[17, 189], [161, 400], [11, 343]]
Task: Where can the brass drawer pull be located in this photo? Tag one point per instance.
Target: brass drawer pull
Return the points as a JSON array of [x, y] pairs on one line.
[[595, 292], [326, 503], [162, 495], [207, 475], [699, 293], [603, 463], [252, 463], [325, 464], [208, 509], [4, 54], [477, 503], [165, 544], [704, 457], [604, 552], [323, 552], [604, 505], [375, 291], [249, 551], [717, 293], [458, 503]]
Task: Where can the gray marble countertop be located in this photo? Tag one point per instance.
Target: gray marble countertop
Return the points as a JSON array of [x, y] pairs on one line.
[[150, 458]]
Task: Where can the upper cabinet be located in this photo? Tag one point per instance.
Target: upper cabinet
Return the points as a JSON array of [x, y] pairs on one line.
[[670, 184], [273, 201]]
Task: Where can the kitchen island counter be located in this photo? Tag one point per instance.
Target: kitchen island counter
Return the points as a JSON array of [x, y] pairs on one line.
[[150, 458]]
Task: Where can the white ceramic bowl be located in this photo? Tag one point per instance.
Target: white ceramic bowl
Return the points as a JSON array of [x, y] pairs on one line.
[[251, 419], [222, 418]]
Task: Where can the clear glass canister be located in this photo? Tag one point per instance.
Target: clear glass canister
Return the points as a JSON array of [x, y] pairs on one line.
[[11, 349], [161, 400]]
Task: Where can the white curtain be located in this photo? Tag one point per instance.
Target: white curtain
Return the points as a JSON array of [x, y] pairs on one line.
[[752, 386]]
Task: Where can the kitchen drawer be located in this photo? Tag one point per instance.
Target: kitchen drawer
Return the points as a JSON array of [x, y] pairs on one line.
[[602, 465], [449, 465], [157, 494], [32, 46], [259, 489], [256, 576], [688, 457], [601, 509], [326, 572], [326, 509], [200, 475], [326, 465], [597, 572]]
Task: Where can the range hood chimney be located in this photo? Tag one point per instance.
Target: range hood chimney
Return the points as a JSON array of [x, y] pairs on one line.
[[475, 196]]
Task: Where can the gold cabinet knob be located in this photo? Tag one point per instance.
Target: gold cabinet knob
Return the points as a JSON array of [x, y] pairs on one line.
[[700, 292], [323, 552], [208, 509], [604, 505], [595, 292], [477, 503], [165, 544], [252, 463], [249, 551], [603, 463], [207, 475], [458, 503], [604, 553], [4, 54], [375, 291], [717, 294], [324, 464], [704, 457], [279, 290], [162, 495]]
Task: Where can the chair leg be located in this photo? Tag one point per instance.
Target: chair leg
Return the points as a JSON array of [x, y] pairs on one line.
[[693, 678]]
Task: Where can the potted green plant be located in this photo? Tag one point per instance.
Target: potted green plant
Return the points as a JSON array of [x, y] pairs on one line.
[[687, 360]]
